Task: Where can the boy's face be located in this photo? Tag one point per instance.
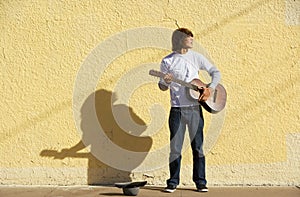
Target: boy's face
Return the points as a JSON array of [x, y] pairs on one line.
[[188, 42]]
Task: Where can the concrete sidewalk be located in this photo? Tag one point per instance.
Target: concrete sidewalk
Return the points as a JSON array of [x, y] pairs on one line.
[[147, 191]]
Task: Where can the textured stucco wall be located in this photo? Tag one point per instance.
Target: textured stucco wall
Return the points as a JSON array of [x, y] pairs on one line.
[[52, 54]]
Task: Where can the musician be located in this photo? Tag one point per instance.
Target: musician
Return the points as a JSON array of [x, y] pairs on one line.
[[184, 64]]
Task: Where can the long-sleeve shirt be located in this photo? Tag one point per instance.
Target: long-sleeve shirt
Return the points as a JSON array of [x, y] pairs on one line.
[[186, 67]]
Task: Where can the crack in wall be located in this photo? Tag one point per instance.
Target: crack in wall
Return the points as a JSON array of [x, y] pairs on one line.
[[3, 53]]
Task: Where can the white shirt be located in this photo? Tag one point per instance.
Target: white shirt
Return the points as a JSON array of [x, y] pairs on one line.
[[186, 67]]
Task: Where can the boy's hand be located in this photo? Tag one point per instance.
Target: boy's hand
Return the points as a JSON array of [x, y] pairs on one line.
[[168, 78], [205, 94]]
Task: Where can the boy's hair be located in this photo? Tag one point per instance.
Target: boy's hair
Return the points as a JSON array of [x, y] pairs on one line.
[[178, 36]]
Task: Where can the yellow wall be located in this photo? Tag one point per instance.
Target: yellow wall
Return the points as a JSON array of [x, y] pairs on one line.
[[51, 50]]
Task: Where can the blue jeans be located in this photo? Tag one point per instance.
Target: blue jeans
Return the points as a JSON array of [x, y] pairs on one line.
[[178, 119]]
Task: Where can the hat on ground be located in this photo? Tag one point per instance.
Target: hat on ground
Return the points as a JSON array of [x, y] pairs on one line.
[[131, 188]]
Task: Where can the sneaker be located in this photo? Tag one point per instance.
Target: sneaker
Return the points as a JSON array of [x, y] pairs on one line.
[[202, 188], [170, 188]]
